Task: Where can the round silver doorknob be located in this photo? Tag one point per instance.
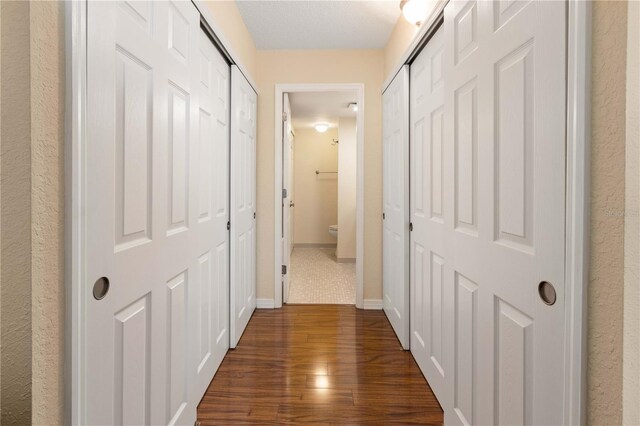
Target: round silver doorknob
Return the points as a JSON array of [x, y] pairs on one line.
[[547, 292], [100, 288]]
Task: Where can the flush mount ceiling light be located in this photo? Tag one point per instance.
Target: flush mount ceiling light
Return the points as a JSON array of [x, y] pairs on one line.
[[353, 106], [321, 127], [414, 11]]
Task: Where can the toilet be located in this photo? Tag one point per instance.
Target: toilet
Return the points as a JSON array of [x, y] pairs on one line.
[[333, 230]]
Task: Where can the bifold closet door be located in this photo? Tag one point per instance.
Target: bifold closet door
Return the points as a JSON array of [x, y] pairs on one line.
[[243, 203], [395, 204], [488, 117], [210, 298], [147, 241]]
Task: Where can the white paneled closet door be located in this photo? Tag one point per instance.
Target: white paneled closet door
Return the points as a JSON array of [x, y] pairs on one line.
[[488, 211], [429, 290], [243, 203], [395, 202], [139, 185], [210, 298]]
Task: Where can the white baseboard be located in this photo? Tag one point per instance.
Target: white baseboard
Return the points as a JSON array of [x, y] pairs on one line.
[[265, 304], [372, 304]]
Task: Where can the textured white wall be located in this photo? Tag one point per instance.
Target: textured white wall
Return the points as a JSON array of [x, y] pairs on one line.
[[347, 159], [631, 337], [32, 197], [15, 240], [605, 309], [47, 210]]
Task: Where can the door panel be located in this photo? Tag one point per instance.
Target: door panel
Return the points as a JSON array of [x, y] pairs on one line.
[[491, 350], [243, 204], [428, 214], [156, 213], [211, 213], [514, 212], [395, 201]]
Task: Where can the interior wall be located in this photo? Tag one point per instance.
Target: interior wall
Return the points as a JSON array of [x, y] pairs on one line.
[[401, 37], [631, 336], [320, 66], [47, 210], [235, 32], [317, 196], [15, 238], [347, 177], [605, 306]]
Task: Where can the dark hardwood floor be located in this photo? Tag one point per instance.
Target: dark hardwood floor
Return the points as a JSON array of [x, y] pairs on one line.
[[329, 364]]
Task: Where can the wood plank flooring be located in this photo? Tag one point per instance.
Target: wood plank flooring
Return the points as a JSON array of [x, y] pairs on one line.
[[330, 364]]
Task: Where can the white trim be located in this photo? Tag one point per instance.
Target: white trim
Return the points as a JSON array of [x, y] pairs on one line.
[[215, 27], [75, 126], [280, 89], [372, 304], [265, 304], [420, 36], [577, 204]]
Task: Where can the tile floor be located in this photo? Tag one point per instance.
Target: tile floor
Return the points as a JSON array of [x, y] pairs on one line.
[[316, 277]]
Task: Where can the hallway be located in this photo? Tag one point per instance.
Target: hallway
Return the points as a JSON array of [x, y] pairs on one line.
[[319, 364]]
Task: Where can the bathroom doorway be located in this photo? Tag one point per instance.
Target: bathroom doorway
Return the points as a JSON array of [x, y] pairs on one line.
[[319, 198]]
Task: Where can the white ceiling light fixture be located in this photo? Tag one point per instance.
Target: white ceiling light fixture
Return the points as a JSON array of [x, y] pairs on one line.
[[353, 107], [321, 127], [414, 11]]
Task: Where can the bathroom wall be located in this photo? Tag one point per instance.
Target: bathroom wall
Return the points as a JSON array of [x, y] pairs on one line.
[[347, 157], [316, 196]]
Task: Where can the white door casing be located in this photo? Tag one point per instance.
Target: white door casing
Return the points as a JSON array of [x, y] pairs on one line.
[[428, 213], [210, 299], [140, 212], [243, 204], [506, 118], [287, 201], [496, 349], [395, 204]]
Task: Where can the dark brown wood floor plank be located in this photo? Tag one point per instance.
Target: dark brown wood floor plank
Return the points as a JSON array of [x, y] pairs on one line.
[[320, 364]]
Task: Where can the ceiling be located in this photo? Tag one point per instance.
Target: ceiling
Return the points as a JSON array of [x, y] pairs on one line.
[[319, 24], [309, 108]]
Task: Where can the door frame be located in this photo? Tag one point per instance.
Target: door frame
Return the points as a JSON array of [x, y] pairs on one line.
[[75, 27], [281, 89], [577, 198]]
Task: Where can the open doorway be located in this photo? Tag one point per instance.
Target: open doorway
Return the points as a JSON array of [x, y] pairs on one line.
[[319, 221], [320, 185]]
